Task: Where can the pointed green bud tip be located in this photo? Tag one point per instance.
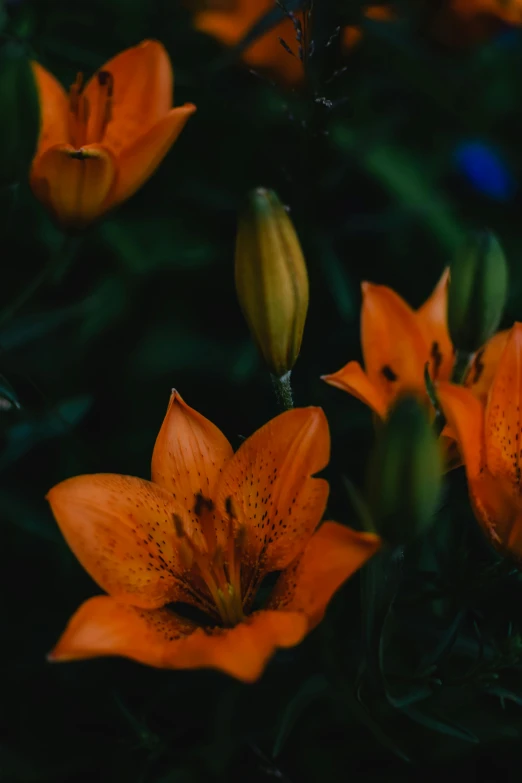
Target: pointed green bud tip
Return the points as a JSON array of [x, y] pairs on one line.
[[477, 291], [404, 473], [20, 112], [271, 280]]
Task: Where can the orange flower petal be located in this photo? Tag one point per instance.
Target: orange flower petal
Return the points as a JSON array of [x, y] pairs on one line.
[[332, 555], [101, 626], [142, 93], [484, 366], [272, 494], [433, 317], [138, 161], [503, 422], [393, 345], [54, 108], [73, 184], [353, 379], [268, 53], [465, 416], [190, 453], [121, 530]]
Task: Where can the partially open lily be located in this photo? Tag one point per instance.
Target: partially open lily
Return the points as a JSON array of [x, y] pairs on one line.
[[100, 143], [204, 533], [489, 434], [397, 341], [229, 21]]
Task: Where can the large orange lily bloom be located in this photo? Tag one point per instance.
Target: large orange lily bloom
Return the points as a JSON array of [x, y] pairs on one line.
[[397, 341], [229, 21], [100, 143], [205, 532], [490, 439]]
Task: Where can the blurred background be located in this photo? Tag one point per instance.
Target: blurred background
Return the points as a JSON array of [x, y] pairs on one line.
[[403, 138]]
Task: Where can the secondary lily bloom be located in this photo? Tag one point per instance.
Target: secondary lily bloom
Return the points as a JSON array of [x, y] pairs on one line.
[[230, 20], [100, 143], [490, 441], [205, 532], [397, 341]]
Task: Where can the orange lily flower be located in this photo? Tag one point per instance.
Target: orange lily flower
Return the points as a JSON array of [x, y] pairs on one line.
[[230, 20], [351, 35], [397, 341], [490, 440], [205, 532], [100, 143]]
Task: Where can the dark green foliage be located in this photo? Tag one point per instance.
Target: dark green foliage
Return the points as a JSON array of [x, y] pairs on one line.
[[429, 679]]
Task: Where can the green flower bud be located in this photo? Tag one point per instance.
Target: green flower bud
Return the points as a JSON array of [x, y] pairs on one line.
[[271, 280], [477, 291], [404, 475], [20, 111]]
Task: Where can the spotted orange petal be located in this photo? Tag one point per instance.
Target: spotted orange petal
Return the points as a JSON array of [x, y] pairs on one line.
[[332, 555], [190, 453], [138, 161], [270, 486], [121, 530], [353, 379], [101, 626], [484, 366], [393, 344], [54, 110], [465, 416], [433, 317], [503, 422], [73, 184], [142, 93]]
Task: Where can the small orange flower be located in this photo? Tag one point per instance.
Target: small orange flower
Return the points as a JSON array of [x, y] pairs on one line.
[[489, 434], [205, 532], [98, 145], [396, 344], [351, 35], [230, 20]]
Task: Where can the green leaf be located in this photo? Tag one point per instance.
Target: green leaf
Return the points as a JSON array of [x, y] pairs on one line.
[[23, 436], [313, 688], [440, 724], [8, 396]]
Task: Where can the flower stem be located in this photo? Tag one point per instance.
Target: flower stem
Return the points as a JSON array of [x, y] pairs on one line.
[[52, 271], [283, 390], [461, 366]]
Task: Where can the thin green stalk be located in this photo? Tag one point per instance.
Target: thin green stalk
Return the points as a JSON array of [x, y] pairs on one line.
[[283, 390]]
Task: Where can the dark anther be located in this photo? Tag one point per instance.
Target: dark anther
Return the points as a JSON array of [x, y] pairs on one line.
[[478, 366], [78, 155], [202, 503], [388, 373], [178, 524], [229, 507], [437, 358], [105, 79]]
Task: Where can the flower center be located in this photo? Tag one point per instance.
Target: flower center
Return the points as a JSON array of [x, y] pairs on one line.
[[217, 559], [89, 117]]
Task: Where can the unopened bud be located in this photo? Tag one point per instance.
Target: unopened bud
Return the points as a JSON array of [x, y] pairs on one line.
[[271, 280], [477, 291], [20, 113], [404, 476]]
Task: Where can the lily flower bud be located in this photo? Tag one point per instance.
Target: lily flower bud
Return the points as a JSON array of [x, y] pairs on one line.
[[477, 291], [271, 280], [20, 113], [405, 471]]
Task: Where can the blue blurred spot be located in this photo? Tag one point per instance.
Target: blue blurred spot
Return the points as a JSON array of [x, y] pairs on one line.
[[485, 170]]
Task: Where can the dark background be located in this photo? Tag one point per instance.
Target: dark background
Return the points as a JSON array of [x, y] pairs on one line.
[[422, 142]]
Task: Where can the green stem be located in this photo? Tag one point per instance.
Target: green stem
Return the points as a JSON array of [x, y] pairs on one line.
[[461, 366], [52, 271], [283, 390]]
